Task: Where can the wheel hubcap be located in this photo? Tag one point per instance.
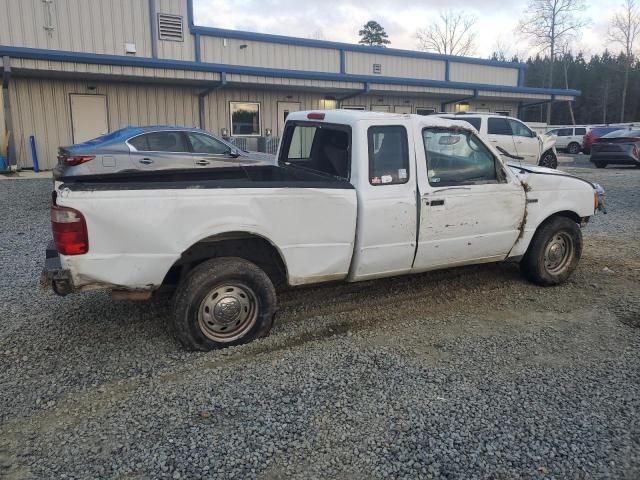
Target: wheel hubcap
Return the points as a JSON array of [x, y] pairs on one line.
[[558, 253], [228, 312]]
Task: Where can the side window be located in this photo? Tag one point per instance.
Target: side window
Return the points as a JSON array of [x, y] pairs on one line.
[[519, 129], [323, 148], [201, 143], [565, 132], [388, 155], [498, 126], [457, 158], [475, 122], [581, 131], [169, 141]]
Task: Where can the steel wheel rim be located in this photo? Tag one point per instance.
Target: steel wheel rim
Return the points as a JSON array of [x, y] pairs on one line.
[[558, 253], [228, 312], [573, 148]]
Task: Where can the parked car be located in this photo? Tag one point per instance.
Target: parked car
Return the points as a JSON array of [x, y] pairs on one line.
[[617, 148], [569, 138], [513, 136], [340, 205], [593, 134], [151, 148]]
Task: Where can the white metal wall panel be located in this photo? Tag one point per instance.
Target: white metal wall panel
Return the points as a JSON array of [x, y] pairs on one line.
[[41, 108], [93, 26], [403, 67], [169, 49], [485, 74], [269, 55]]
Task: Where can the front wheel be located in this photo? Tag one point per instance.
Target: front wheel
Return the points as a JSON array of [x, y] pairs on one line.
[[223, 302], [554, 252], [574, 148], [549, 160]]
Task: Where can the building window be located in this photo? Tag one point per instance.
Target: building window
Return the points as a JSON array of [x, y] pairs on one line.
[[245, 119], [170, 27], [424, 111], [388, 155], [377, 68], [504, 113]]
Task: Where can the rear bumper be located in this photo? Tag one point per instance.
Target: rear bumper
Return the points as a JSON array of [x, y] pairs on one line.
[[53, 275], [613, 158]]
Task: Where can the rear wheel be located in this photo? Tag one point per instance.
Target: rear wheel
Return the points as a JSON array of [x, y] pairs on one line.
[[549, 160], [573, 148], [600, 164], [223, 302], [554, 252]]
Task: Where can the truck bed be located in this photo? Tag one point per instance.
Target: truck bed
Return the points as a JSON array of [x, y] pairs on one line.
[[259, 176]]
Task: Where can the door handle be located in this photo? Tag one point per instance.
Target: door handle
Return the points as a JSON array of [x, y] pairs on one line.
[[436, 203], [202, 162], [146, 161]]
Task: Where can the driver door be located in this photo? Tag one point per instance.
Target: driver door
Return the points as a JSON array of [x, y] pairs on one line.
[[471, 206]]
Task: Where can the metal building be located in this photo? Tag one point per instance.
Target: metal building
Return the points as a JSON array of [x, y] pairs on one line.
[[74, 69]]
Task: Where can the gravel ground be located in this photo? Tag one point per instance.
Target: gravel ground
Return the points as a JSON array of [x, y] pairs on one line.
[[467, 373]]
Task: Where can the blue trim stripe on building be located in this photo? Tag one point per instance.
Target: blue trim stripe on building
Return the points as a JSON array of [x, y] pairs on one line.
[[349, 47], [100, 59]]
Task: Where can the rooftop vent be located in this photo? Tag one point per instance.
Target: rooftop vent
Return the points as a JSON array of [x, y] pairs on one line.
[[170, 27]]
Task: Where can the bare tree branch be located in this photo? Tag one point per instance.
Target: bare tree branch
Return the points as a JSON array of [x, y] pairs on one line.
[[452, 34], [549, 23], [624, 30]]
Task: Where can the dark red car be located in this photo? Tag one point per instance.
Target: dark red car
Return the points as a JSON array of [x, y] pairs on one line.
[[594, 133]]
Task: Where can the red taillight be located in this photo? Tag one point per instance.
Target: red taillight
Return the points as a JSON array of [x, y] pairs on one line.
[[69, 231], [73, 160], [315, 116]]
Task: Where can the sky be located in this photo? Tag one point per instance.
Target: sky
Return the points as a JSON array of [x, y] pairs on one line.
[[340, 20]]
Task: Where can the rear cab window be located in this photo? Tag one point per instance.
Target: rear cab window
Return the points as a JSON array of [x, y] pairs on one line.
[[320, 147], [388, 147]]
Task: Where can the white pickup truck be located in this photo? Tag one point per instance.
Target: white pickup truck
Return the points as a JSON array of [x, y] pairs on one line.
[[355, 196]]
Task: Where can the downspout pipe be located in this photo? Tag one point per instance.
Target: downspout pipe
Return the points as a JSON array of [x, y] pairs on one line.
[[364, 91], [443, 105], [202, 95], [153, 14], [12, 158]]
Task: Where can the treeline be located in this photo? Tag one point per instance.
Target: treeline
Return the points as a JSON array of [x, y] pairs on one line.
[[601, 81]]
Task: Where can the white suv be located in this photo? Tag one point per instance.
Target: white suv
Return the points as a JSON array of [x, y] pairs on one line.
[[513, 136], [569, 138]]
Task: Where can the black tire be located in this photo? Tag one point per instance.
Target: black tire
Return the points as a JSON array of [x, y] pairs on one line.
[[600, 164], [215, 295], [573, 148], [537, 264], [548, 160]]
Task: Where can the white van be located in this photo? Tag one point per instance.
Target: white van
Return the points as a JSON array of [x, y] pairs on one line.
[[569, 138]]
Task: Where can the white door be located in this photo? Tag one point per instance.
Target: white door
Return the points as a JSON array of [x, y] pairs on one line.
[[499, 133], [402, 109], [471, 208], [527, 143], [284, 109], [88, 116], [380, 108]]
